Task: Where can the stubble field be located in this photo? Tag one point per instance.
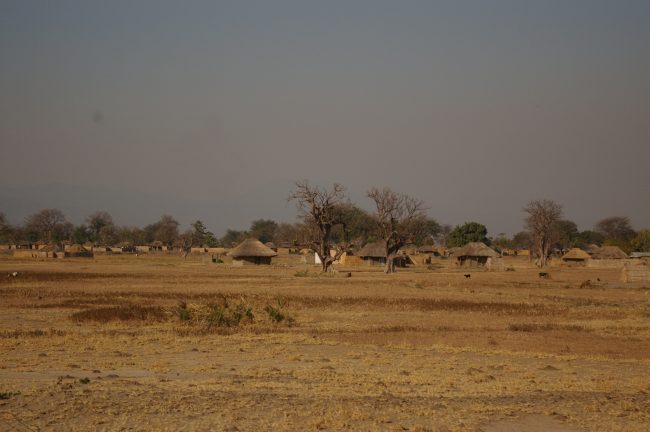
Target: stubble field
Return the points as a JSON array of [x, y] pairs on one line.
[[163, 343]]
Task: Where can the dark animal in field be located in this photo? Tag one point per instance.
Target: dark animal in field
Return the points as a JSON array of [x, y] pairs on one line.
[[467, 276], [544, 275], [585, 284], [598, 279]]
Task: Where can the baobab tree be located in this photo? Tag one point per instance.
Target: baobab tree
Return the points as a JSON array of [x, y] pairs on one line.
[[399, 219], [542, 224], [321, 210]]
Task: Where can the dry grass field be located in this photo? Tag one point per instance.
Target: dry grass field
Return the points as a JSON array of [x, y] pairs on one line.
[[162, 343]]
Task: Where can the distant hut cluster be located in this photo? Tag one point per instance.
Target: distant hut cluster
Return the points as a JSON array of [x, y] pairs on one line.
[[595, 256]]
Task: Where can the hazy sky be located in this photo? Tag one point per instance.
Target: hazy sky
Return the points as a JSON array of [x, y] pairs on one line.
[[210, 110]]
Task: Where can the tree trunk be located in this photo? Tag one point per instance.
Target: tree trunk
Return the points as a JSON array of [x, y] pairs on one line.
[[391, 253], [390, 265]]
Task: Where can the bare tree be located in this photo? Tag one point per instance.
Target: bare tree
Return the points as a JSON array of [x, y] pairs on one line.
[[542, 224], [617, 228], [46, 224], [319, 209], [399, 219], [443, 235]]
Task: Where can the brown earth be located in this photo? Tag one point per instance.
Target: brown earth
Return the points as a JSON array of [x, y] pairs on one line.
[[162, 343]]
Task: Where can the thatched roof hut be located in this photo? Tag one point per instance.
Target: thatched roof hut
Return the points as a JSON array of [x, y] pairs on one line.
[[375, 254], [576, 255], [252, 251], [474, 254], [609, 252], [373, 250]]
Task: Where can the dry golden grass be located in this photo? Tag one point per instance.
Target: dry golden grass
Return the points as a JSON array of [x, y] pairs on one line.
[[162, 343]]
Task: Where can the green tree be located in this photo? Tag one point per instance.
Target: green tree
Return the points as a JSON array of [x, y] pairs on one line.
[[232, 237], [468, 232], [641, 243], [200, 236], [96, 222], [263, 229], [82, 234], [588, 237], [133, 235], [356, 225], [522, 240], [501, 241], [6, 232], [567, 232]]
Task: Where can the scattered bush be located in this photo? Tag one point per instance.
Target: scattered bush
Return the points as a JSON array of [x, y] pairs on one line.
[[183, 313], [274, 313], [8, 395], [277, 314]]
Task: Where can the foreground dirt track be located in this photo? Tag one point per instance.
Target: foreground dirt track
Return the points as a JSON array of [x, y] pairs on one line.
[[102, 344]]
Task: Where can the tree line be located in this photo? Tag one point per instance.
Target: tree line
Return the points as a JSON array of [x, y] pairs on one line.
[[329, 223]]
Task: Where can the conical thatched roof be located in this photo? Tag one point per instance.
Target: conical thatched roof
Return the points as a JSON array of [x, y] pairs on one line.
[[592, 248], [609, 252], [373, 250], [576, 254], [427, 249], [76, 248], [475, 249], [252, 248]]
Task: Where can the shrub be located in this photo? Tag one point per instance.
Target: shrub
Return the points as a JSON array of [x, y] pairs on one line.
[[8, 395], [183, 313], [275, 314]]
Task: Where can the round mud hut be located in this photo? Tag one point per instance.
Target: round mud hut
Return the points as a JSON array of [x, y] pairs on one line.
[[608, 253], [475, 254], [251, 251], [375, 254], [576, 256]]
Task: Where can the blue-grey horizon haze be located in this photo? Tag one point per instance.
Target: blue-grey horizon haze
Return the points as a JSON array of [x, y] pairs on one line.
[[211, 109]]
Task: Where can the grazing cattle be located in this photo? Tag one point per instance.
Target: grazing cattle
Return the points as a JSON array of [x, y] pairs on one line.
[[467, 276], [14, 274], [544, 275]]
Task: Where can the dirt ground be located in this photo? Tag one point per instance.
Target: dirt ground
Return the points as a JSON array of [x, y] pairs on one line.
[[163, 343]]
